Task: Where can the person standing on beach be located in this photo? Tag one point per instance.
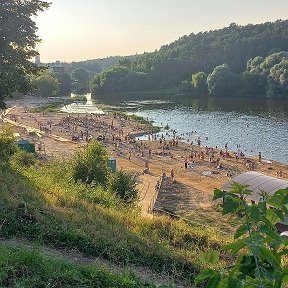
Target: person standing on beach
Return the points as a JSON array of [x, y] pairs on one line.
[[172, 176], [186, 163], [259, 156]]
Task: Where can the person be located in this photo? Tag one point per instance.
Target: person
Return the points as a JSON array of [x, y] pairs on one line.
[[146, 168], [259, 156], [172, 176], [186, 163]]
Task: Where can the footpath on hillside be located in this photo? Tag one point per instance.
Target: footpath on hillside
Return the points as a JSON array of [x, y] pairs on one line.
[[147, 186], [75, 257]]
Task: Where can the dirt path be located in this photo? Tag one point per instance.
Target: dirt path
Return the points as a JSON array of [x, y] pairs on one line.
[[74, 256]]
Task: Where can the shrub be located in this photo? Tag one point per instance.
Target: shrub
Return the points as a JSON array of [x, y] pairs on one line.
[[91, 165], [23, 158], [7, 145], [124, 186]]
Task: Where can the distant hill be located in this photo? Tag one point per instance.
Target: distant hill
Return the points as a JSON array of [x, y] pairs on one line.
[[173, 63], [96, 65], [233, 45]]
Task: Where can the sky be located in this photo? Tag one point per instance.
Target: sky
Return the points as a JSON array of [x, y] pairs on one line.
[[75, 30]]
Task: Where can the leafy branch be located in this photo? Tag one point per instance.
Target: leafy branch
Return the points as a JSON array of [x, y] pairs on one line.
[[257, 243]]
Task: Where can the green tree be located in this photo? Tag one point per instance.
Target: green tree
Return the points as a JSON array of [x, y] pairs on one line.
[[185, 86], [253, 65], [91, 165], [46, 84], [222, 81], [199, 83], [65, 83], [251, 84], [80, 78], [278, 80], [17, 45], [125, 62]]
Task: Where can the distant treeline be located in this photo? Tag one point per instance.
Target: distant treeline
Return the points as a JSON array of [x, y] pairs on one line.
[[75, 78], [236, 60]]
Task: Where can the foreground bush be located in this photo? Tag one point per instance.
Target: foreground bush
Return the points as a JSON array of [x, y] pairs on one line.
[[91, 165], [124, 186]]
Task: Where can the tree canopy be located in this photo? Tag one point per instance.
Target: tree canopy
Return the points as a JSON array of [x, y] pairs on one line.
[[17, 45], [46, 84], [174, 64]]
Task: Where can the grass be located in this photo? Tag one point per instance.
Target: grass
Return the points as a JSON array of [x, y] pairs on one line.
[[212, 217], [49, 108], [54, 107], [42, 204], [22, 268]]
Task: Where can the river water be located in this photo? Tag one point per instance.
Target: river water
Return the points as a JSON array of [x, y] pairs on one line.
[[258, 125]]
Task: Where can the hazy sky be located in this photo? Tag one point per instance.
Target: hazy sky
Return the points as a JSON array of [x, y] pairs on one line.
[[73, 30]]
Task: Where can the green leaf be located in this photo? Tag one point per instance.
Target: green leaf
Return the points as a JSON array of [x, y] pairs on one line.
[[218, 194], [233, 282], [269, 256], [262, 206], [211, 257], [236, 246], [280, 214], [285, 200], [270, 232], [254, 213], [205, 274], [272, 216], [231, 204], [214, 280], [240, 231]]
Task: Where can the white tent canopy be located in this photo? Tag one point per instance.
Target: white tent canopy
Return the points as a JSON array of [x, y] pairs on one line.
[[258, 183]]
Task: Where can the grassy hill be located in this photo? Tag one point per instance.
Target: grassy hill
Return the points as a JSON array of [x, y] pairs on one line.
[[43, 205]]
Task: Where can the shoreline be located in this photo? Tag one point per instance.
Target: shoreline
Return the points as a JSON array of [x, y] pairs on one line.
[[159, 158]]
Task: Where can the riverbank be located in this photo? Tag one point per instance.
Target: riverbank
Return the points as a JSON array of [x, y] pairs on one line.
[[116, 131]]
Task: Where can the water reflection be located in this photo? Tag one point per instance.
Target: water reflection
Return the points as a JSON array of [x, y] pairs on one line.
[[263, 107]]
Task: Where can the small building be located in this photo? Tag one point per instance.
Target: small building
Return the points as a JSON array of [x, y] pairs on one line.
[[258, 183], [57, 67], [26, 145]]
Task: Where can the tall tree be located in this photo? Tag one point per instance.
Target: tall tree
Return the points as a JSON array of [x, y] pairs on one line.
[[222, 81], [65, 83], [199, 82], [46, 84], [17, 45]]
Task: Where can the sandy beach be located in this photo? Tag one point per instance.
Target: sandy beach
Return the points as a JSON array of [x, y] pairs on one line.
[[198, 170]]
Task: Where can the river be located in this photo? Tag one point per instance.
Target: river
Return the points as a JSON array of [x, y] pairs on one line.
[[259, 125]]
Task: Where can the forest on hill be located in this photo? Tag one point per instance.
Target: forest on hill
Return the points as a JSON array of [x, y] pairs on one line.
[[228, 57], [236, 61]]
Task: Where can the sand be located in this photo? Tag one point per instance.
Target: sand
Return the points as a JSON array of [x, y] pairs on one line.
[[201, 176]]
